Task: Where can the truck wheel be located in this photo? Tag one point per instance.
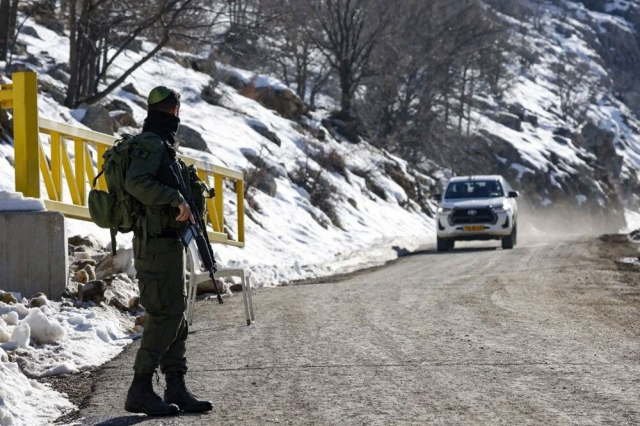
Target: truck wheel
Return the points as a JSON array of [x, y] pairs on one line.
[[509, 242], [445, 245]]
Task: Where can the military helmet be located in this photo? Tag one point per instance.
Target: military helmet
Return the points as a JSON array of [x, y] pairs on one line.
[[159, 94]]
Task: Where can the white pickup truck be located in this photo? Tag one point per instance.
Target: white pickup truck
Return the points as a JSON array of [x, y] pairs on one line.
[[477, 208]]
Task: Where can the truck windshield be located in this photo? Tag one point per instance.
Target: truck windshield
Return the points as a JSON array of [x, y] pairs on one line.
[[474, 189]]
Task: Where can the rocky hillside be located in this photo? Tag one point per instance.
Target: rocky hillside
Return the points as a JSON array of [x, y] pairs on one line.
[[565, 132], [315, 203]]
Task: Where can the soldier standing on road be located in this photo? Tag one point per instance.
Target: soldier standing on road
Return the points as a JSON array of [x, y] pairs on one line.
[[160, 263]]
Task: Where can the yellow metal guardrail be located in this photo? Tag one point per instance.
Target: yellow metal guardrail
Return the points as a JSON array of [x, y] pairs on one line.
[[31, 162]]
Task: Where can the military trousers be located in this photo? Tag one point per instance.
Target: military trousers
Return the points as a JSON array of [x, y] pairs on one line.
[[161, 278]]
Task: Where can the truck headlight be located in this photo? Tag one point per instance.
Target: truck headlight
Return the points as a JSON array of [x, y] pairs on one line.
[[501, 208], [444, 210]]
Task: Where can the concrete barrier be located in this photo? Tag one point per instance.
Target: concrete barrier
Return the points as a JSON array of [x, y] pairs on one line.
[[33, 253]]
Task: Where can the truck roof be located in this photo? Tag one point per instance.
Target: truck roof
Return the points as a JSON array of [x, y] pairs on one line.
[[476, 177]]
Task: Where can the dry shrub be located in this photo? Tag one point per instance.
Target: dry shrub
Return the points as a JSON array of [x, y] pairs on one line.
[[321, 192]]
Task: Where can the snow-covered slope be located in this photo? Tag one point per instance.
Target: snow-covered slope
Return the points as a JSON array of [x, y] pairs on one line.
[[287, 238]]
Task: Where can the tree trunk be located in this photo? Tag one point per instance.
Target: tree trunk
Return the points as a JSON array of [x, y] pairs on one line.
[[5, 36], [73, 56]]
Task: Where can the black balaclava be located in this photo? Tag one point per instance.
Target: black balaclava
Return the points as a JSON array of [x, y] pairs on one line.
[[162, 124]]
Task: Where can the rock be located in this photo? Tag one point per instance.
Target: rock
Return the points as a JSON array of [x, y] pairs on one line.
[[39, 301], [91, 272], [82, 255], [285, 102], [8, 298], [190, 138], [92, 291], [131, 89], [82, 276], [207, 287], [141, 321], [205, 65], [30, 31], [601, 143], [563, 132], [210, 94], [236, 288], [531, 119], [81, 264], [134, 303], [118, 304], [118, 105], [89, 241], [517, 109], [509, 120], [122, 262], [59, 74], [124, 119], [98, 118], [263, 130], [52, 90]]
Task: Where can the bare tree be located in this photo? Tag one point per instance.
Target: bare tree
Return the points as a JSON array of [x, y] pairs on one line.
[[576, 88], [347, 32], [101, 31]]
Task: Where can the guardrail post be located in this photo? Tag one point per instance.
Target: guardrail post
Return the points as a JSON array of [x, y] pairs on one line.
[[240, 203], [25, 133]]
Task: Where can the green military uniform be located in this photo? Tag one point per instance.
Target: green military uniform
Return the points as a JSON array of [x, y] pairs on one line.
[[159, 261]]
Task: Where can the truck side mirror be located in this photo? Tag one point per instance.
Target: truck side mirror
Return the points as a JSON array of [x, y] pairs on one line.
[[437, 197], [514, 194]]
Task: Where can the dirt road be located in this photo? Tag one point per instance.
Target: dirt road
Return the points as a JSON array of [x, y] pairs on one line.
[[548, 333]]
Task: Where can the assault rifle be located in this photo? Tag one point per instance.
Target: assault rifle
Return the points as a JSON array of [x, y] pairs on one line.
[[197, 231]]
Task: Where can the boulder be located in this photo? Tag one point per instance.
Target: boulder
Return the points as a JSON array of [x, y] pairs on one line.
[[93, 291], [134, 303], [52, 90], [60, 74], [141, 321], [82, 276], [91, 272], [7, 298], [118, 304], [38, 300], [236, 288], [210, 94], [88, 241], [205, 65], [190, 138], [207, 287], [118, 105], [509, 120], [98, 118], [81, 264], [82, 255], [124, 119], [601, 143], [262, 129], [30, 31], [131, 89], [284, 101], [122, 262]]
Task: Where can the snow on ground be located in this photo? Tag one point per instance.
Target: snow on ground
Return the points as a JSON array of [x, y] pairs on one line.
[[51, 340]]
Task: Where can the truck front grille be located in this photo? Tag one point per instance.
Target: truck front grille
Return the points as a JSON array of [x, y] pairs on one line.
[[469, 216]]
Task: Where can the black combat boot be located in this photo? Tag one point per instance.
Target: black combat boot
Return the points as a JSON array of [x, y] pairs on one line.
[[177, 393], [142, 399]]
